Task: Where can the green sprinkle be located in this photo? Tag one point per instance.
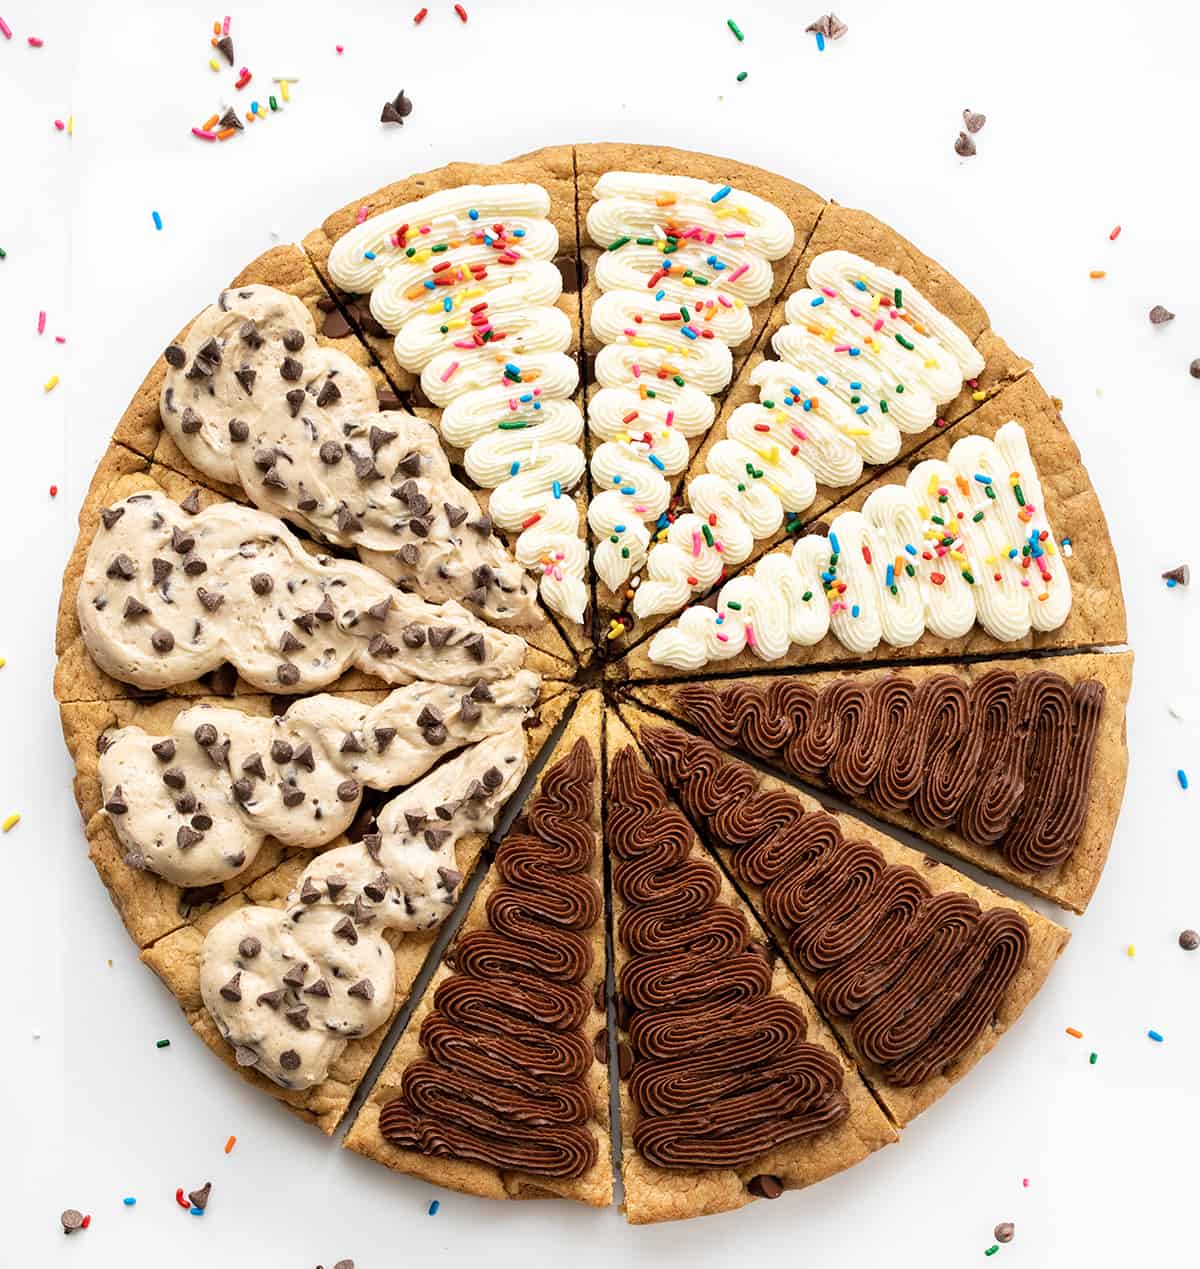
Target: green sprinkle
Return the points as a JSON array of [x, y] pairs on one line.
[[645, 242], [896, 295], [162, 1044], [937, 520], [1019, 495], [1092, 1059], [737, 30], [991, 493], [3, 253], [512, 425], [741, 76], [687, 317], [733, 603], [273, 103], [440, 246], [806, 597], [618, 243], [883, 406], [899, 387], [410, 252], [768, 405], [977, 516], [708, 537], [904, 343], [444, 330], [969, 576], [912, 572], [624, 552], [992, 1250], [679, 380], [651, 393]]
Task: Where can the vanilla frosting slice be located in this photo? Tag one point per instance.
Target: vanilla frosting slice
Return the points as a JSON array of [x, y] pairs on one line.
[[465, 279], [289, 987], [965, 540], [195, 805], [684, 261], [169, 593], [864, 358], [254, 399]]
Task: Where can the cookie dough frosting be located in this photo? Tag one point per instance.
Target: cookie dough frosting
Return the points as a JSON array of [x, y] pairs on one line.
[[289, 988], [684, 260], [170, 592], [504, 1078], [252, 398], [1005, 761], [466, 280], [915, 976], [195, 805], [722, 1072], [965, 540], [864, 357]]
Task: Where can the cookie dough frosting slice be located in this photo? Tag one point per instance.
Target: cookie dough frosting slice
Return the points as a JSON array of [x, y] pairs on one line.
[[965, 540], [465, 279], [733, 1089], [168, 594], [289, 988], [863, 358], [683, 261], [254, 399], [194, 806]]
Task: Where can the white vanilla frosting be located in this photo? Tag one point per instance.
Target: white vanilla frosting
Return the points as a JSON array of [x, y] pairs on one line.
[[965, 540], [684, 260], [864, 358], [252, 398], [195, 805], [169, 594], [289, 987], [465, 279]]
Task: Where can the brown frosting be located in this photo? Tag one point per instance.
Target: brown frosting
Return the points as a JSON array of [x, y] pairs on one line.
[[721, 1069], [917, 975], [504, 1079], [1005, 761]]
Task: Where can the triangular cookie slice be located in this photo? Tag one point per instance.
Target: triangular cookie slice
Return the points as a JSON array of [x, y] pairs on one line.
[[685, 255], [873, 351], [471, 270], [1017, 766], [990, 539], [732, 1086], [918, 969], [499, 1085], [225, 959]]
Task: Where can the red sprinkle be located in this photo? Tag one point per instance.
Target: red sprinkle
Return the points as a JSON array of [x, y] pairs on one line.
[[53, 491], [87, 1220], [181, 1200], [419, 16], [37, 42], [1116, 233], [462, 13]]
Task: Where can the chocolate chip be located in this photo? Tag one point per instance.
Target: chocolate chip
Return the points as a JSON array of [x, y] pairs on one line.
[[414, 637], [173, 777], [249, 947], [1194, 369], [346, 521], [381, 646], [289, 643], [262, 583], [121, 566], [389, 114], [435, 838], [384, 737], [163, 750], [191, 422], [973, 120], [298, 1017], [289, 1059], [110, 515], [765, 1186], [414, 820], [435, 735], [186, 837], [386, 399], [304, 757], [325, 610], [160, 570], [71, 1220], [243, 1055], [492, 778], [345, 930], [309, 892], [249, 333], [352, 743], [295, 976], [964, 147], [319, 988], [116, 804], [233, 988], [439, 635], [162, 641], [469, 711], [1159, 315], [293, 340], [243, 789], [295, 399], [175, 356], [290, 369], [482, 526], [348, 790], [292, 795], [1189, 940], [238, 431], [206, 734], [225, 44], [376, 889], [287, 674], [364, 989], [1003, 1233], [1180, 575], [211, 601], [331, 453], [281, 751], [600, 1047], [335, 325], [450, 878], [474, 644], [410, 464], [329, 393], [134, 608]]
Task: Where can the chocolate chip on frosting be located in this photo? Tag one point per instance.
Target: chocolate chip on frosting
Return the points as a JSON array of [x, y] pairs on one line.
[[244, 1055], [345, 929], [364, 989], [292, 795], [121, 567], [329, 393], [116, 804], [110, 515], [291, 369], [287, 674], [186, 837], [164, 750], [191, 504], [233, 988], [304, 757], [175, 357], [162, 641], [190, 422], [238, 430], [289, 1059], [134, 608], [295, 398], [348, 790], [205, 734], [293, 340], [173, 777]]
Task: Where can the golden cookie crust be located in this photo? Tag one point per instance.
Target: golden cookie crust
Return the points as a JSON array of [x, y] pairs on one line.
[[594, 1187]]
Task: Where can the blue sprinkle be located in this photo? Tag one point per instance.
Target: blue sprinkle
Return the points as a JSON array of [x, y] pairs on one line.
[[891, 575], [429, 286], [723, 192], [512, 370], [525, 397], [828, 576], [557, 489], [808, 404], [862, 409], [629, 489], [689, 332], [658, 462], [518, 233], [1181, 775], [854, 611], [618, 528], [447, 305], [129, 1202], [474, 215], [983, 480], [433, 1207], [855, 385], [717, 265], [537, 405], [862, 286], [1154, 1035], [823, 381], [368, 255], [658, 295], [833, 543], [816, 303], [855, 352], [820, 43], [1171, 583], [516, 467], [157, 220], [912, 550], [196, 1211]]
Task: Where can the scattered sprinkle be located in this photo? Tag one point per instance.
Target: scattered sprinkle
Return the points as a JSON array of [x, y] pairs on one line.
[[11, 822], [1072, 1031], [992, 1250], [229, 1145], [5, 29], [3, 253], [53, 491], [1098, 273], [50, 384], [1116, 233], [35, 41], [1181, 776], [1003, 1233], [1180, 575], [462, 13], [737, 30], [964, 147], [742, 76], [129, 1202], [1092, 1059], [1159, 315], [973, 120], [433, 1207], [419, 16], [162, 1044], [1155, 1036], [1131, 951], [157, 220], [71, 1220], [41, 323], [340, 48], [1189, 940]]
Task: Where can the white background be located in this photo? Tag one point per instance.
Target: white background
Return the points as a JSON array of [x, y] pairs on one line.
[[1092, 123]]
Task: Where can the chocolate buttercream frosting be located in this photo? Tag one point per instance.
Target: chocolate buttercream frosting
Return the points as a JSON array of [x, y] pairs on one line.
[[722, 1071], [504, 1076], [1005, 761], [917, 976]]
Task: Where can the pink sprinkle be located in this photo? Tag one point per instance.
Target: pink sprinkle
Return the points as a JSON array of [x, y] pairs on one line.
[[36, 41], [749, 635], [737, 273], [842, 348], [450, 369], [724, 638], [830, 293], [41, 323], [1025, 1182], [339, 48], [723, 302], [225, 27], [670, 417], [512, 403], [637, 370], [695, 542], [5, 29], [640, 510], [204, 136], [58, 123], [736, 233], [60, 339], [362, 213], [878, 324]]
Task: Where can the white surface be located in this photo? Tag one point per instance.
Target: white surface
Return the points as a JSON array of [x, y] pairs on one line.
[[1091, 123]]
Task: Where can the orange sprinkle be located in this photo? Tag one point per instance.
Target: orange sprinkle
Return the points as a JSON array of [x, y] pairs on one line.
[[208, 127], [230, 1144], [225, 134], [1097, 273], [665, 200], [1071, 1031]]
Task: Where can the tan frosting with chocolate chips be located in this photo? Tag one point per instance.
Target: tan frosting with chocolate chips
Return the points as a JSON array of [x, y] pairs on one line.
[[253, 399], [288, 988], [195, 805], [167, 596]]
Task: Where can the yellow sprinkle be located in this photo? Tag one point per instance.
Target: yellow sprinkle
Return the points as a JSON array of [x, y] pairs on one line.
[[50, 384], [3, 663], [1129, 951], [978, 394], [212, 63], [283, 88], [11, 822], [70, 124]]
